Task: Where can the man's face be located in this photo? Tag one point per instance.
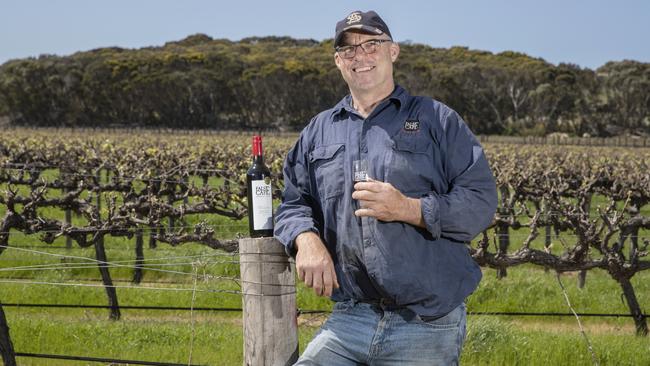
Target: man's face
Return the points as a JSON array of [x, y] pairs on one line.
[[365, 72]]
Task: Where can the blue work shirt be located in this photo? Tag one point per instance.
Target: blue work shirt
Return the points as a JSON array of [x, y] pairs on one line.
[[425, 150]]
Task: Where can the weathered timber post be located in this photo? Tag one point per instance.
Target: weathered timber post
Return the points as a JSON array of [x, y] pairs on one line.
[[269, 303]]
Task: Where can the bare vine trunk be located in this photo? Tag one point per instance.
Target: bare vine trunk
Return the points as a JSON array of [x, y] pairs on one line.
[[635, 310], [139, 256], [68, 220], [172, 222], [582, 275], [547, 242], [504, 243], [152, 237], [6, 346], [100, 254]]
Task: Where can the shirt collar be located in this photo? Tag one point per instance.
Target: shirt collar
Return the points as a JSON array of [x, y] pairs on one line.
[[399, 96]]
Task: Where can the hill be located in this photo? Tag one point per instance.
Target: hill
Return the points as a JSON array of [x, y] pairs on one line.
[[279, 83]]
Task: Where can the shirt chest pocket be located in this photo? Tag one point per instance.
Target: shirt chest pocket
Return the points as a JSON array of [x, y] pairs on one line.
[[327, 169], [409, 166]]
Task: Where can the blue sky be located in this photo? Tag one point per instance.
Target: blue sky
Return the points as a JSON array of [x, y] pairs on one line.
[[587, 33]]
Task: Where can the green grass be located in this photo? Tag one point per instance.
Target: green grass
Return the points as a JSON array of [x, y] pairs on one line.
[[491, 341], [530, 288], [165, 336]]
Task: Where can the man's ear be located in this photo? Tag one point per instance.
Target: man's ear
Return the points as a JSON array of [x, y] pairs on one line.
[[337, 60], [394, 51]]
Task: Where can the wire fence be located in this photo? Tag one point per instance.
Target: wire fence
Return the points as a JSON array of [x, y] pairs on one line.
[[201, 279], [202, 260], [310, 317], [100, 359], [300, 311], [142, 264]]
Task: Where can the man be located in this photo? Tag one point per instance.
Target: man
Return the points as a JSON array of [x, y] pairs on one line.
[[389, 250]]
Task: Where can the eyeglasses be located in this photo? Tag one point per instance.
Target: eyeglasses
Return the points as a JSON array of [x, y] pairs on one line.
[[368, 47]]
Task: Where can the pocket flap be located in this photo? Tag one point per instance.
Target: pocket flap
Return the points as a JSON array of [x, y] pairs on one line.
[[412, 144], [324, 152]]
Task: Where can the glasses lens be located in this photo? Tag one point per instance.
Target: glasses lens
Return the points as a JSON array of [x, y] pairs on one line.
[[370, 46], [346, 51]]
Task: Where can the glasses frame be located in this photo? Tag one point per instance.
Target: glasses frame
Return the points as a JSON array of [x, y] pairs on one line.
[[373, 45]]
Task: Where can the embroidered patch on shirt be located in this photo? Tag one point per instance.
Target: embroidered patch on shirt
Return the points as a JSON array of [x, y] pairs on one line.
[[411, 125]]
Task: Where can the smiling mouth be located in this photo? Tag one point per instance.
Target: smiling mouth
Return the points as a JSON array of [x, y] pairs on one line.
[[363, 69]]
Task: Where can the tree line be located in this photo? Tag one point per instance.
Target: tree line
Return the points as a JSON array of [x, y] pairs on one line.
[[279, 83]]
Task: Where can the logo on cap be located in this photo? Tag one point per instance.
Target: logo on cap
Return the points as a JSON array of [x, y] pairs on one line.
[[353, 18]]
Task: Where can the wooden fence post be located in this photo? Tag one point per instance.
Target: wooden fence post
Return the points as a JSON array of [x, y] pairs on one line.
[[269, 303]]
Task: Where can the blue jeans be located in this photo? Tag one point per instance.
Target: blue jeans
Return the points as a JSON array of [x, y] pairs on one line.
[[366, 334]]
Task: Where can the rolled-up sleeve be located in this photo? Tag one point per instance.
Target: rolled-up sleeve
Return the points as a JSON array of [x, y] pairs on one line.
[[468, 207], [294, 215]]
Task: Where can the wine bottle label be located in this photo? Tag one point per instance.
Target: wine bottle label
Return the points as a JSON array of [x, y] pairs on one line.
[[262, 205]]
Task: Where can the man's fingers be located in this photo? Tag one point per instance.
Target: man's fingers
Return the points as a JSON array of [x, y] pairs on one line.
[[364, 195], [327, 283], [335, 280], [323, 283], [314, 264], [308, 279], [365, 212], [330, 281], [317, 279], [373, 186]]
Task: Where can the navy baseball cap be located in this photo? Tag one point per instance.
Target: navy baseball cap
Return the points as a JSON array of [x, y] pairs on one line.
[[368, 22]]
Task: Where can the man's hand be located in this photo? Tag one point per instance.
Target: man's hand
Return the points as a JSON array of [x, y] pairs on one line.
[[384, 202], [314, 264]]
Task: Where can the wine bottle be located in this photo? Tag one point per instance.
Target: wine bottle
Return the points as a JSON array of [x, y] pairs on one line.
[[260, 199]]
